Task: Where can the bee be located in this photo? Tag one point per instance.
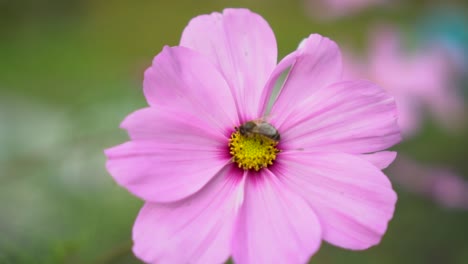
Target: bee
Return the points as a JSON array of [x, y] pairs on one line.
[[259, 127]]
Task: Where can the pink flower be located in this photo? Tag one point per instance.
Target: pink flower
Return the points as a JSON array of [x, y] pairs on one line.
[[217, 185], [419, 80], [440, 184]]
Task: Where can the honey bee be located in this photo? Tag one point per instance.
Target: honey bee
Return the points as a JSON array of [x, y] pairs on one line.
[[259, 127]]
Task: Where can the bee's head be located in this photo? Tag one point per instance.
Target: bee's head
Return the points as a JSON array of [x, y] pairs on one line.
[[247, 127]]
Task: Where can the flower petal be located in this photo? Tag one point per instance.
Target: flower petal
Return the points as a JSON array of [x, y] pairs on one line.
[[172, 155], [173, 126], [352, 198], [197, 229], [353, 117], [380, 159], [274, 224], [318, 66], [282, 66], [184, 79], [243, 46]]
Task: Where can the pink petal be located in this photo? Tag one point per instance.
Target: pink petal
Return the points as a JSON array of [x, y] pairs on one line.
[[282, 66], [318, 66], [197, 229], [172, 155], [184, 79], [243, 46], [173, 126], [353, 117], [274, 224], [352, 198], [380, 159]]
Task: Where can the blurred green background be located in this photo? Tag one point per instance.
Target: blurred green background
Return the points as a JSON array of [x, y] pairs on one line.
[[70, 71]]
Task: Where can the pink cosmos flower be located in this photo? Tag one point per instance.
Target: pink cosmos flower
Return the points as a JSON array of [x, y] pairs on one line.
[[419, 80], [217, 185], [440, 184]]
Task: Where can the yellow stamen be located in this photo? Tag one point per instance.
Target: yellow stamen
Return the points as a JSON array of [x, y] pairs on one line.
[[253, 151]]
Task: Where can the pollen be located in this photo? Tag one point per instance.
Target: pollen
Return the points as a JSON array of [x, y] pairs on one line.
[[252, 152]]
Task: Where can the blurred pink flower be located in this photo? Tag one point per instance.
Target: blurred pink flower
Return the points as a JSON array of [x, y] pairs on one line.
[[325, 182], [338, 8], [419, 80], [439, 184]]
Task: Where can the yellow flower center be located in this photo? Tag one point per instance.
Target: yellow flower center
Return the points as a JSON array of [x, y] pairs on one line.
[[253, 151]]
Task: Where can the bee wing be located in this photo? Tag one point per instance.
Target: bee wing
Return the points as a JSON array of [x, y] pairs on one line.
[[266, 129]]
